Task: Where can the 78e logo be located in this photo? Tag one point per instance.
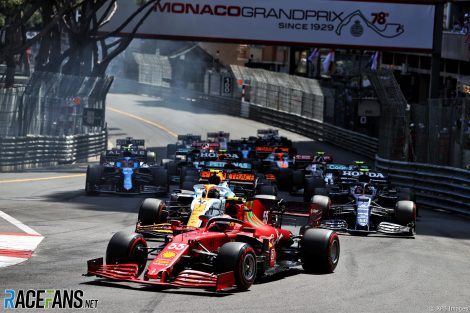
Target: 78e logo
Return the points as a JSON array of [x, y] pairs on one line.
[[380, 18]]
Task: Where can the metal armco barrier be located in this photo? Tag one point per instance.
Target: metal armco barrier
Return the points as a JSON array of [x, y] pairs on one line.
[[438, 187], [19, 153]]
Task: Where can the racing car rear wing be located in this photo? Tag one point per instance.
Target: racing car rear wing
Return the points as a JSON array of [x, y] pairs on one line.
[[218, 135], [244, 166], [378, 178], [130, 141], [206, 145], [229, 175], [189, 138], [114, 154], [269, 131]]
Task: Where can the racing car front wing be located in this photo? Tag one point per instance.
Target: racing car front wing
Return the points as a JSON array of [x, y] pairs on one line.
[[187, 278], [383, 227]]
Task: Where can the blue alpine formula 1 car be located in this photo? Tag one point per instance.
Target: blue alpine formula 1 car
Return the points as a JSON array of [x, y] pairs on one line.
[[126, 175]]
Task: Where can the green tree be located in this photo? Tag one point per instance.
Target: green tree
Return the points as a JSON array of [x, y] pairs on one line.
[[88, 53]]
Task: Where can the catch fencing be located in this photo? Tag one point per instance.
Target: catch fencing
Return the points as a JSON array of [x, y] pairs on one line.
[[440, 132], [10, 110], [54, 104], [54, 119]]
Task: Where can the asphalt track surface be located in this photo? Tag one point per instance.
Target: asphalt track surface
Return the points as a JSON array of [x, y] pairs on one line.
[[375, 273]]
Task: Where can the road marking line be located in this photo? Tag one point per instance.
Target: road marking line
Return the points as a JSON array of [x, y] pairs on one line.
[[25, 243], [9, 261], [17, 234], [145, 121], [18, 224], [23, 180]]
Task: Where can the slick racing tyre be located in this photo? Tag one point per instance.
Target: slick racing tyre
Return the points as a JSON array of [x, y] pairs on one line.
[[268, 190], [127, 248], [170, 151], [172, 168], [320, 250], [240, 258], [405, 212], [298, 178], [160, 178], [324, 203], [285, 179], [93, 176], [152, 211], [151, 158], [310, 185], [187, 185]]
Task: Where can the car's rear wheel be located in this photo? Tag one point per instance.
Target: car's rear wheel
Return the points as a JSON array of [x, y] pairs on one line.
[[268, 190], [298, 178], [151, 158], [160, 178], [240, 258], [285, 179], [170, 151], [172, 168], [127, 248], [187, 185], [93, 176], [310, 185], [320, 250], [152, 211]]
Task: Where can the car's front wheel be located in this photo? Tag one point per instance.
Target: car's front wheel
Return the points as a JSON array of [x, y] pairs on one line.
[[127, 248], [320, 250], [240, 258]]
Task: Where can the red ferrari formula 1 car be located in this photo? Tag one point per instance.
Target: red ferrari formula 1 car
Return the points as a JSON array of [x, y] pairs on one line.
[[225, 252]]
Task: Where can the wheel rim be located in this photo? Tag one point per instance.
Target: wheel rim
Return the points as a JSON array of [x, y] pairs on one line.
[[249, 267], [139, 256], [334, 249]]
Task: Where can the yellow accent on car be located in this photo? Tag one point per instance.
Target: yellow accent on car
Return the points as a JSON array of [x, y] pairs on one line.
[[169, 254], [199, 208]]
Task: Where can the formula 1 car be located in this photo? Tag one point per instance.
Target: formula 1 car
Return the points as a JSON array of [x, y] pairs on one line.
[[216, 189], [220, 137], [183, 142], [185, 206], [126, 175], [225, 252], [270, 137], [371, 208]]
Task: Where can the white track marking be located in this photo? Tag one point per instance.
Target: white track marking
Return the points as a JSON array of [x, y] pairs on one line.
[[16, 248], [18, 224], [9, 261], [19, 242]]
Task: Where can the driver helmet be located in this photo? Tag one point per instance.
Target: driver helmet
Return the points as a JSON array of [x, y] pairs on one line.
[[127, 150], [358, 189], [368, 190], [215, 179], [213, 193]]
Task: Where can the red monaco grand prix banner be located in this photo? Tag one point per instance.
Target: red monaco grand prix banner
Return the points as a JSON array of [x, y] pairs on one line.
[[403, 26]]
